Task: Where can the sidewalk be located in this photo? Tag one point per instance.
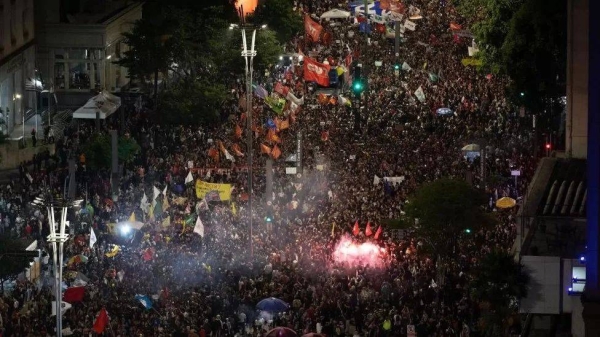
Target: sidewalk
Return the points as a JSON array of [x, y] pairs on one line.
[[30, 124]]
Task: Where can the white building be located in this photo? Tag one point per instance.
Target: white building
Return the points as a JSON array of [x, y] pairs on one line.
[[17, 61], [77, 43]]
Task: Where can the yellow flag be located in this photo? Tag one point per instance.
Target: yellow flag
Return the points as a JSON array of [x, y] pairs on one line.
[[425, 66], [233, 209], [114, 251], [132, 217], [151, 213], [166, 222], [165, 204]]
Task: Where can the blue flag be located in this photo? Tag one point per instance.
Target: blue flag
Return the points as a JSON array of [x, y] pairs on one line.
[[145, 300]]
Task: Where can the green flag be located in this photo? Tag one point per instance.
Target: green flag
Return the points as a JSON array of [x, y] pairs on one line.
[[158, 209]]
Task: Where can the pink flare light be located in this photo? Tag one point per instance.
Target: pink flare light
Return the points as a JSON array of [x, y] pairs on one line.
[[353, 254]]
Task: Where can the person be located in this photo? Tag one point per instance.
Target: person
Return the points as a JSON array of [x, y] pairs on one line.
[[33, 137]]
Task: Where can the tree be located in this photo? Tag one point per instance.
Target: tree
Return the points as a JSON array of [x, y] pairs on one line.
[[534, 52], [280, 16], [149, 52], [446, 210], [195, 102], [98, 151], [498, 282], [13, 259]]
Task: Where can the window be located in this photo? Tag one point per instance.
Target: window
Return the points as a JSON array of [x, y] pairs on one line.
[[59, 75], [78, 69]]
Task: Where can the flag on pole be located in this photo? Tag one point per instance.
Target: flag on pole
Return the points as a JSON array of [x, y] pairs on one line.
[[151, 213], [165, 204], [144, 203], [92, 237], [145, 300], [368, 230], [189, 178], [155, 192], [233, 209], [166, 222], [64, 306], [132, 217], [101, 321], [164, 192], [356, 229], [199, 227], [74, 294], [378, 233]]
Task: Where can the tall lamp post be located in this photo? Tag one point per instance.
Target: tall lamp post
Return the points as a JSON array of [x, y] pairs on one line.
[[248, 54], [57, 237]]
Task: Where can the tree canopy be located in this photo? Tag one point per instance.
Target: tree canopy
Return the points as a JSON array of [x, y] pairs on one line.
[[445, 210], [98, 151], [279, 15], [498, 282], [525, 40]]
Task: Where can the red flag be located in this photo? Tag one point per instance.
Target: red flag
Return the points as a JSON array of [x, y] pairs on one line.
[[238, 132], [378, 233], [101, 321], [316, 72], [356, 229], [348, 61], [74, 294], [148, 254], [368, 231], [455, 26], [265, 149], [325, 136], [276, 152], [312, 28], [281, 89]]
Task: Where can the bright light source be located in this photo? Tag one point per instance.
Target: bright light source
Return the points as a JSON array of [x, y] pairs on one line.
[[18, 96], [468, 231], [268, 219], [108, 57], [280, 58], [570, 289], [263, 26], [125, 229], [231, 27], [582, 259], [522, 94]]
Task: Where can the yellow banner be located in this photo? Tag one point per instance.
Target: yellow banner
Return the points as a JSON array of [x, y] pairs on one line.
[[471, 62], [213, 192]]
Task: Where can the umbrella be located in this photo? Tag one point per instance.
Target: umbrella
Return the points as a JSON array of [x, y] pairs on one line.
[[471, 148], [281, 332], [335, 14], [272, 304], [506, 202], [444, 111]]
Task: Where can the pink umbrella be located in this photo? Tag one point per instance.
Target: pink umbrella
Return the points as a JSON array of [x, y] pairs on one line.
[[281, 332]]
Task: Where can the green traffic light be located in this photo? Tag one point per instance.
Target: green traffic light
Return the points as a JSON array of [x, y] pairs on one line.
[[396, 67], [468, 231]]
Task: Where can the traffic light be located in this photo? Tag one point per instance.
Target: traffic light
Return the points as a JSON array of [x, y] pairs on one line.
[[358, 86], [396, 67], [468, 230]]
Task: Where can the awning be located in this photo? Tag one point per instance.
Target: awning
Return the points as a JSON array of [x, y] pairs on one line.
[[105, 103]]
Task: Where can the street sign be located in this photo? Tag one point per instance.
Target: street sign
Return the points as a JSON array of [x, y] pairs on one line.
[[515, 173]]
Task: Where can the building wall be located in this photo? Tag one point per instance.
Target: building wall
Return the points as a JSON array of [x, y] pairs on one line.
[[78, 58], [17, 61], [577, 78]]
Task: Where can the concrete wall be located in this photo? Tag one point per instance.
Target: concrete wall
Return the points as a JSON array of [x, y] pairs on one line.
[[577, 78], [12, 156]]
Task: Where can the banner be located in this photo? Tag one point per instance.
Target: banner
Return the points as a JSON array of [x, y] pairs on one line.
[[420, 94], [276, 104], [213, 192], [316, 72], [312, 28], [410, 25], [471, 62]]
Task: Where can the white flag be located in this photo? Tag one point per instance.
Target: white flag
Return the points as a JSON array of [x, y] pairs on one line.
[[64, 306], [189, 178], [199, 228], [92, 238], [229, 156], [164, 192], [156, 192], [410, 25], [420, 94], [376, 180], [406, 67], [144, 203]]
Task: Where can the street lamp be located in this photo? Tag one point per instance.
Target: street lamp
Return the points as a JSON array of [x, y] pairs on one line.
[[248, 54], [57, 237]]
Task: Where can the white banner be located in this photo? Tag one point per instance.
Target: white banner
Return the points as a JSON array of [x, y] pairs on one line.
[[410, 25], [420, 94]]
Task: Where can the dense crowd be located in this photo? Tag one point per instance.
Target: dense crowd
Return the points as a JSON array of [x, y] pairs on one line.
[[210, 284]]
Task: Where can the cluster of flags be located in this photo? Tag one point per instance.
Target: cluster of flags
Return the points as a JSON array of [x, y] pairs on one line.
[[368, 230]]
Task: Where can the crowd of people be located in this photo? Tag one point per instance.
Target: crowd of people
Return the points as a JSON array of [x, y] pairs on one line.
[[209, 284]]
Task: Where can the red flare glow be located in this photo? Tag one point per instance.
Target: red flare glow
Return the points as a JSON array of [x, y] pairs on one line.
[[353, 254]]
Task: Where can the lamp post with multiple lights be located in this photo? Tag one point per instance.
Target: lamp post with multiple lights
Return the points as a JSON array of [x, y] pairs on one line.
[[248, 54], [57, 237]]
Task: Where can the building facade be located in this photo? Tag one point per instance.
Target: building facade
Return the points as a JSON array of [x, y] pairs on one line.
[[17, 61], [76, 51]]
